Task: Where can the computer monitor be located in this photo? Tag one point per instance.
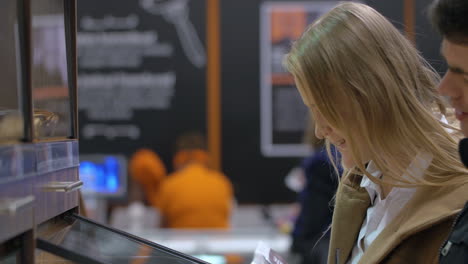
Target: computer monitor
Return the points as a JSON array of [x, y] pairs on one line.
[[103, 175]]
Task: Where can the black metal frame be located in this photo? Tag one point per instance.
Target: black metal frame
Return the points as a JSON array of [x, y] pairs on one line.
[[70, 39], [24, 32]]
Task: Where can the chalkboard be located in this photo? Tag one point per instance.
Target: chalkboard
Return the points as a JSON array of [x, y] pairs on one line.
[[141, 79]]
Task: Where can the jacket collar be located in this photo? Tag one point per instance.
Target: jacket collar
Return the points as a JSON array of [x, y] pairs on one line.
[[428, 206], [351, 205]]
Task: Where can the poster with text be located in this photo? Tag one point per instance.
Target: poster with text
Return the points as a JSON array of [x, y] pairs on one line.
[[283, 115]]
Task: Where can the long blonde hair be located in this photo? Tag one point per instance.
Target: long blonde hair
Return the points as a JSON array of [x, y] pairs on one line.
[[354, 59]]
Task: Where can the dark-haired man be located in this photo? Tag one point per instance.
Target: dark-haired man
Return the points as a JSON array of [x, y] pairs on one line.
[[450, 17]]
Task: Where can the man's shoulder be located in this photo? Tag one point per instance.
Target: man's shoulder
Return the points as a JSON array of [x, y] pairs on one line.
[[455, 249], [461, 224]]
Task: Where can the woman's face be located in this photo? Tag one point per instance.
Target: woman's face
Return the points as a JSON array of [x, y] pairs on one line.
[[323, 130]]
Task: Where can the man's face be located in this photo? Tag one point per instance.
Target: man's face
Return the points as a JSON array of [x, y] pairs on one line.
[[455, 82]]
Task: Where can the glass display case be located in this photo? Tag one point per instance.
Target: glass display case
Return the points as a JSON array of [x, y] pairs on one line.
[[49, 71], [39, 160], [38, 71], [101, 244], [44, 60]]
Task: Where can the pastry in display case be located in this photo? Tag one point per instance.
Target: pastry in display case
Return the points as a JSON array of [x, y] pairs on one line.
[[12, 124]]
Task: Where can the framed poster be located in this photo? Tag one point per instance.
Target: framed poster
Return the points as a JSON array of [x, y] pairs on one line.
[[283, 115]]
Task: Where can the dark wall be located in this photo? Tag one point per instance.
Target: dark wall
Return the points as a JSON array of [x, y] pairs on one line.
[[257, 178], [427, 40]]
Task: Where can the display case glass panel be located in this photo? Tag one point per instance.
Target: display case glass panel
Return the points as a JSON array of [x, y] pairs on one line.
[[85, 241], [11, 116], [50, 80]]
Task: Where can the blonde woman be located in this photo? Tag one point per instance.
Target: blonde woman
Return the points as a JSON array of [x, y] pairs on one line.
[[374, 98]]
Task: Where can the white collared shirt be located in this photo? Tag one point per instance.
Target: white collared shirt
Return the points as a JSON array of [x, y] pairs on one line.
[[381, 212]]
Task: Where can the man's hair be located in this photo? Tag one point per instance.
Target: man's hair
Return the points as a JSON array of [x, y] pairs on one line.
[[450, 19]]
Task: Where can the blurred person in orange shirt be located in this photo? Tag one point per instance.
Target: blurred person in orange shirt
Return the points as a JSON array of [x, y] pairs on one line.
[[147, 169], [195, 195]]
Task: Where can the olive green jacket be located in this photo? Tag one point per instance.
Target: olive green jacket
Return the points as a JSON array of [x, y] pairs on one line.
[[414, 236]]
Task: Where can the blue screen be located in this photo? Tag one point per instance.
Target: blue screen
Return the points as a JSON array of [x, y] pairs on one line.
[[101, 177]]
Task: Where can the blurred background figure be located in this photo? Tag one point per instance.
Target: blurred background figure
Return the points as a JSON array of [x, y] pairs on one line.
[[310, 236], [195, 195], [147, 171]]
